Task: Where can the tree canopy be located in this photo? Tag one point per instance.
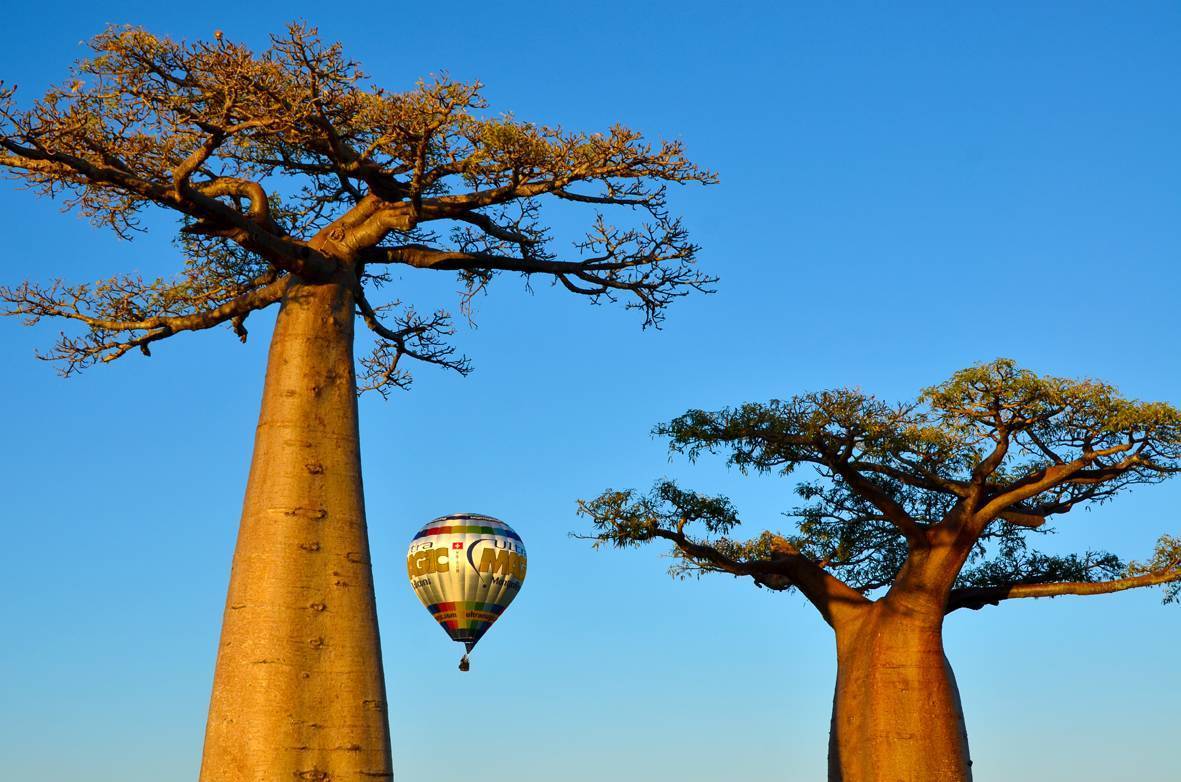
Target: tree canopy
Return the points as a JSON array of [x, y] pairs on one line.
[[957, 484], [286, 162]]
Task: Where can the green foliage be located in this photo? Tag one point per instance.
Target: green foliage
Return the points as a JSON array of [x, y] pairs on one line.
[[1021, 567], [1052, 419], [995, 450], [1166, 557], [628, 519]]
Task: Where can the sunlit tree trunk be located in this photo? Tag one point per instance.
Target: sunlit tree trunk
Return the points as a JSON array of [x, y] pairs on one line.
[[896, 712], [298, 693]]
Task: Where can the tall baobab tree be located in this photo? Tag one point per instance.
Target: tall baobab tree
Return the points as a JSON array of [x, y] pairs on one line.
[[297, 184], [911, 512]]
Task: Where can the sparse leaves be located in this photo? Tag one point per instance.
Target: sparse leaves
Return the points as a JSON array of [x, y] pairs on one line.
[[412, 335], [285, 161], [127, 312], [1165, 560]]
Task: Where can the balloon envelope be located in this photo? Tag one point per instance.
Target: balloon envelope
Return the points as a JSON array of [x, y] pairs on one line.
[[466, 568]]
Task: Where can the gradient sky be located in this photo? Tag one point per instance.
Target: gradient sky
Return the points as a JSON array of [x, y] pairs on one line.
[[907, 188]]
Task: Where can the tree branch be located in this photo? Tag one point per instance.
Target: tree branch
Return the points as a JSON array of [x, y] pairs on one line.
[[921, 478], [212, 216], [101, 344], [1047, 478], [422, 339], [893, 511], [1023, 519], [653, 269], [480, 220], [831, 596], [976, 598]]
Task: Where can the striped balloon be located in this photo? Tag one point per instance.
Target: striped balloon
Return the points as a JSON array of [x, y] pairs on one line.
[[466, 568]]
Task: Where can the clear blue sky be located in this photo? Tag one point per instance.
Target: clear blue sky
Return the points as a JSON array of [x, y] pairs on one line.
[[906, 189]]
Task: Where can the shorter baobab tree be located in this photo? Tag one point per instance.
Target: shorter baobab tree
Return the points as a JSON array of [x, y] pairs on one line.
[[913, 511]]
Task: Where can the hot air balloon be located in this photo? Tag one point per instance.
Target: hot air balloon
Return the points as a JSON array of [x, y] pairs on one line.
[[466, 568]]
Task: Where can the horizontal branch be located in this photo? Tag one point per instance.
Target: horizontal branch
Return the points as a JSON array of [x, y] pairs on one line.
[[976, 598], [1025, 519], [566, 195], [101, 344], [423, 257], [655, 270]]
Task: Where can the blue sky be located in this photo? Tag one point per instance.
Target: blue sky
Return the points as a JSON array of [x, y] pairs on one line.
[[907, 189]]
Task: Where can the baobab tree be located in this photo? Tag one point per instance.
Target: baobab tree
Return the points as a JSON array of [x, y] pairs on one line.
[[295, 183], [911, 512]]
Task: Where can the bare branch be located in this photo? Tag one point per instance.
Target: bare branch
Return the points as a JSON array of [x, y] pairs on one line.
[[422, 339], [651, 266], [110, 337]]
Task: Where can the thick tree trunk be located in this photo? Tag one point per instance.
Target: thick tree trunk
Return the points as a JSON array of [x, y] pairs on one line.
[[896, 712], [298, 693]]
